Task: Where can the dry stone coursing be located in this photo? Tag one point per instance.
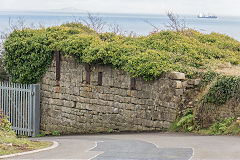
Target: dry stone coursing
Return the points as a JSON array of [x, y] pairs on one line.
[[73, 106]]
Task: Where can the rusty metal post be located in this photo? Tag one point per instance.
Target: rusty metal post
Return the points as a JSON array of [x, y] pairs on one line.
[[133, 84], [57, 54], [87, 67], [100, 74]]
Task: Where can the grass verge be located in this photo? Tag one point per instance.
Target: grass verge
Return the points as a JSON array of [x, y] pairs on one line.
[[10, 144]]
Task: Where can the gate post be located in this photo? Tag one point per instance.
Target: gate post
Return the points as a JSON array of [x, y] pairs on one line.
[[36, 109]]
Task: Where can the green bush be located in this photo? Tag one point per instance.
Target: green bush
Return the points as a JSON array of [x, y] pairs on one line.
[[225, 88], [185, 123], [233, 129], [30, 52], [28, 55], [221, 127]]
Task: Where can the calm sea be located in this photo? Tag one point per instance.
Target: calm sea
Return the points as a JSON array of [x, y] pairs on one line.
[[129, 23]]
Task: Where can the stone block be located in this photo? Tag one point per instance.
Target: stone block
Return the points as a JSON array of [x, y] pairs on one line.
[[70, 104], [197, 82], [176, 75], [53, 101], [45, 87], [172, 105], [185, 84], [76, 91], [107, 81], [191, 82], [179, 92], [178, 84]]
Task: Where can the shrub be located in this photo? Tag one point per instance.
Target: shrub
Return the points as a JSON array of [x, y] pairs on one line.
[[29, 52], [221, 127], [28, 55], [225, 88], [5, 125], [184, 123]]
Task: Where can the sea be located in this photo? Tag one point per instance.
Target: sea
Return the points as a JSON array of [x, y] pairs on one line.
[[138, 24]]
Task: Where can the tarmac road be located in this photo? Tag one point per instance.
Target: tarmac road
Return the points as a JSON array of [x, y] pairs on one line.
[[143, 146]]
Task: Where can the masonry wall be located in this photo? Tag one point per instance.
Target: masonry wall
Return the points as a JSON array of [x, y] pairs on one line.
[[73, 106]]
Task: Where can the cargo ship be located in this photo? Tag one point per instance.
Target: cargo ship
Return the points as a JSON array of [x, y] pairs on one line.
[[207, 16]]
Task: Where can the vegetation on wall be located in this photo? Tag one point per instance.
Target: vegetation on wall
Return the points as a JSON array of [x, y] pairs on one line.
[[225, 88], [30, 52], [186, 123], [207, 78], [222, 89]]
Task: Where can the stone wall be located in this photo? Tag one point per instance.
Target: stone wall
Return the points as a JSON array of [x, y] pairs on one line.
[[73, 106]]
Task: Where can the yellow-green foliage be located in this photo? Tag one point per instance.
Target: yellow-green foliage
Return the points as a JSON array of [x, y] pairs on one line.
[[29, 52], [5, 125]]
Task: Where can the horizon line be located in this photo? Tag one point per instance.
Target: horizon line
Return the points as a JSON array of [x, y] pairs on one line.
[[85, 12]]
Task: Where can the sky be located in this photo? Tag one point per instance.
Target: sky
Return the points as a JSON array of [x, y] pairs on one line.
[[218, 7]]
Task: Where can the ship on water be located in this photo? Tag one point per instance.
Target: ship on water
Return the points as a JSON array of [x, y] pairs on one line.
[[207, 16]]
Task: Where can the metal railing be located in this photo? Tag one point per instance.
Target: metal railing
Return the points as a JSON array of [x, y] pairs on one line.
[[21, 103]]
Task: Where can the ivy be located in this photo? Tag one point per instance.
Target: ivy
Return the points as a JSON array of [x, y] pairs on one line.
[[207, 78], [225, 88], [29, 52]]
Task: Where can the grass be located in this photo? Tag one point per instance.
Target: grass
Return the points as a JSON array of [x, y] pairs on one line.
[[10, 144]]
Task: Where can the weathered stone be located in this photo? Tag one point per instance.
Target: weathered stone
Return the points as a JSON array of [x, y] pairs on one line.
[[70, 104], [76, 91], [176, 75], [197, 82], [191, 82], [115, 110], [185, 84], [178, 84], [179, 92]]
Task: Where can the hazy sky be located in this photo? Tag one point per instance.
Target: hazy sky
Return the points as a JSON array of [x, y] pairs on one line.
[[219, 7]]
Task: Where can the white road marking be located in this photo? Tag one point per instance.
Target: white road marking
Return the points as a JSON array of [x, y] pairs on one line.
[[96, 144]]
